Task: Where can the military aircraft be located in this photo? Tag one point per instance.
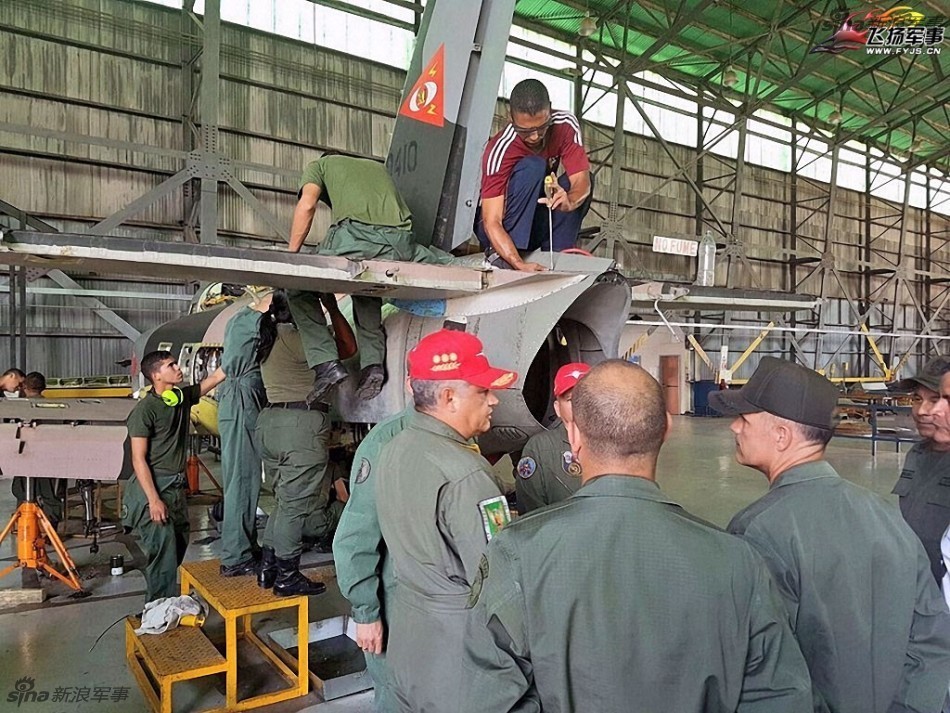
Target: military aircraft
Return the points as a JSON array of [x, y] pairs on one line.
[[531, 323]]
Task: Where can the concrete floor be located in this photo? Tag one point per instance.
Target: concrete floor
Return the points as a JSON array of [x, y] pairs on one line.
[[52, 642]]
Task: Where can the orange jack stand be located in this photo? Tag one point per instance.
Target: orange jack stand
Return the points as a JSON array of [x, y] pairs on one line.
[[33, 532], [193, 467]]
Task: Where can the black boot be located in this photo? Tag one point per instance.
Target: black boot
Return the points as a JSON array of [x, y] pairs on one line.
[[329, 374], [371, 382], [251, 566], [291, 583], [267, 574]]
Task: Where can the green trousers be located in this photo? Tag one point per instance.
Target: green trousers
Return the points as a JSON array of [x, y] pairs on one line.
[[163, 545], [238, 409], [294, 445], [48, 493], [357, 241]]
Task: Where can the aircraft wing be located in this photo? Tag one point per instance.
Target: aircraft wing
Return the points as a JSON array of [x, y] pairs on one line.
[[469, 286]]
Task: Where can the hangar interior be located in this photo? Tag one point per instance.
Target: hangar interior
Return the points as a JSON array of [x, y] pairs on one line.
[[823, 178]]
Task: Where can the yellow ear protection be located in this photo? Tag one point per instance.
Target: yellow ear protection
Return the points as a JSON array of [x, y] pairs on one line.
[[172, 396]]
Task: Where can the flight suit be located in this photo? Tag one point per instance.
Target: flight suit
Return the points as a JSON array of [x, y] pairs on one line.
[[431, 505], [924, 490], [617, 600], [364, 570], [867, 613], [294, 440], [547, 472], [240, 399], [357, 241]]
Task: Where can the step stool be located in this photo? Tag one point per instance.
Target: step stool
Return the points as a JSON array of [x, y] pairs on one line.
[[182, 654]]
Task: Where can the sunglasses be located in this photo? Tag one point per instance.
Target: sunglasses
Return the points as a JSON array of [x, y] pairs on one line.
[[539, 130]]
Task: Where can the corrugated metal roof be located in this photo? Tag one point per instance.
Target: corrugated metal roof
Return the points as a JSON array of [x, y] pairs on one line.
[[893, 102]]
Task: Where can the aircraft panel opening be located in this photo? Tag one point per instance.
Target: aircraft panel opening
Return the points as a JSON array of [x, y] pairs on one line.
[[568, 342]]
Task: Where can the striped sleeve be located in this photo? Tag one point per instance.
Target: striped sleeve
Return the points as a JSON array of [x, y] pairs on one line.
[[570, 142], [494, 171]]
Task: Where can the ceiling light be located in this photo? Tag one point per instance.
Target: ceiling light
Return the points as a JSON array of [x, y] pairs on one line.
[[588, 26], [834, 118], [729, 77]]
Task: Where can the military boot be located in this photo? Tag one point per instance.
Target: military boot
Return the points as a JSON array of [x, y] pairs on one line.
[[291, 583], [329, 374], [267, 574]]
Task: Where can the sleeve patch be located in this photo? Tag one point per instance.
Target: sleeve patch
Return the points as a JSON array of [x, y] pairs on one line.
[[526, 467], [479, 582], [570, 465], [495, 515], [364, 470]]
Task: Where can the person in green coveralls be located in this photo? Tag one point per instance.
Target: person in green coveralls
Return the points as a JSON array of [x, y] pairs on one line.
[[364, 572], [438, 505], [547, 471], [617, 600], [240, 400], [924, 483], [294, 436], [370, 221], [856, 581], [154, 506]]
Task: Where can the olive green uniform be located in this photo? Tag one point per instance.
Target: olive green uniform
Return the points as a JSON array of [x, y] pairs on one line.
[[370, 221], [363, 568], [240, 399], [164, 545], [924, 490], [619, 601], [547, 472], [870, 620], [429, 514], [294, 444]]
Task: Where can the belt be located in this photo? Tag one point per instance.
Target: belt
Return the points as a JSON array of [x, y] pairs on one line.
[[301, 406]]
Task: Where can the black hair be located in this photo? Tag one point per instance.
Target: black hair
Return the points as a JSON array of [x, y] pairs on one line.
[[529, 97], [34, 381], [153, 361], [277, 313], [13, 371]]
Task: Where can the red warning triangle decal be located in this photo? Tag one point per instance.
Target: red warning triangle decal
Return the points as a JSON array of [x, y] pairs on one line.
[[426, 101]]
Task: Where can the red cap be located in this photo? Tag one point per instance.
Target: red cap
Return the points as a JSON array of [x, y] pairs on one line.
[[568, 376], [449, 354]]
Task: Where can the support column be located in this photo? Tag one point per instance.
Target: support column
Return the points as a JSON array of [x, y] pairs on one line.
[[210, 90]]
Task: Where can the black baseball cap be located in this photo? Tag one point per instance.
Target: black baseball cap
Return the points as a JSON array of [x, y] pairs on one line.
[[782, 389], [929, 376]]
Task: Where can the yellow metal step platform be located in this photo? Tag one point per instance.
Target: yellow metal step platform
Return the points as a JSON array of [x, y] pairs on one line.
[[181, 654], [237, 599]]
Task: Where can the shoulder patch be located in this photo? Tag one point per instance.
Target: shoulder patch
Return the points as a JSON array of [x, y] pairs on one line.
[[570, 465], [479, 582], [526, 467], [364, 470], [495, 515]]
